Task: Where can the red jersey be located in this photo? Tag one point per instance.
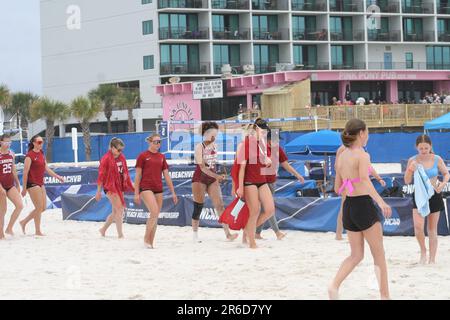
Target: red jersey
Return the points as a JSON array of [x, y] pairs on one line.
[[276, 161], [120, 165], [209, 158], [37, 168], [152, 165], [254, 155], [6, 174]]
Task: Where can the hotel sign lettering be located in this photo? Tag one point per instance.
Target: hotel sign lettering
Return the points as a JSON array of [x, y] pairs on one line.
[[377, 75]]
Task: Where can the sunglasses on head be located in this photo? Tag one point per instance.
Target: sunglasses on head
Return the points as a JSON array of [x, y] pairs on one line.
[[6, 143]]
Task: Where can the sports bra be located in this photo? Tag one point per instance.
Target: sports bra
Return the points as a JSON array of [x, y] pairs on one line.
[[433, 171]]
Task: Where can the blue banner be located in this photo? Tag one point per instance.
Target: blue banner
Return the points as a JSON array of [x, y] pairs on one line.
[[308, 214]]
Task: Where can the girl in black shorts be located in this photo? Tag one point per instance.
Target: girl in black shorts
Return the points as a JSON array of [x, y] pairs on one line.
[[360, 215]]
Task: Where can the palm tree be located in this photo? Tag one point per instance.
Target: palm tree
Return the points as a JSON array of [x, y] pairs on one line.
[[128, 98], [51, 111], [4, 95], [20, 106], [85, 110], [107, 94]]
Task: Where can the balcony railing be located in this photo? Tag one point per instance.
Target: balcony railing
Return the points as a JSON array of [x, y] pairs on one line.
[[444, 36], [377, 35], [280, 34], [346, 6], [444, 9], [183, 33], [230, 4], [438, 66], [351, 35], [397, 65], [312, 35], [309, 5], [419, 37], [424, 7], [185, 68], [270, 5], [349, 66], [235, 69], [239, 34], [192, 4], [389, 7], [305, 65], [375, 116], [265, 67]]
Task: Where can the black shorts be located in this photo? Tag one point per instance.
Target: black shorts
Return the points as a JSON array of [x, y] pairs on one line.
[[154, 192], [359, 213], [436, 202], [258, 185], [31, 185]]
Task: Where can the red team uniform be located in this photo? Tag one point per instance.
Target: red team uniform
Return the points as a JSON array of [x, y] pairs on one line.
[[37, 169], [6, 174], [152, 165]]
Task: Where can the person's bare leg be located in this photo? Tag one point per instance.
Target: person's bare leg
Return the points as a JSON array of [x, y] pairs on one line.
[[266, 199], [433, 220], [419, 223], [339, 223], [16, 199], [153, 207], [39, 199], [374, 237], [109, 221], [119, 221], [254, 206], [2, 216], [215, 194], [31, 215], [356, 241], [198, 195]]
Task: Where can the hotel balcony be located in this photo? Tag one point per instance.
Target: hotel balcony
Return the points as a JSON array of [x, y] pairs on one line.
[[308, 5], [185, 68], [346, 6], [311, 35], [351, 35], [378, 35], [426, 36], [183, 33], [185, 4], [349, 66], [230, 4], [280, 34], [269, 5], [420, 8], [239, 34]]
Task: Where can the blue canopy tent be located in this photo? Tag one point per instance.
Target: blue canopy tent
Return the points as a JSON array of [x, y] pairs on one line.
[[324, 142], [443, 122]]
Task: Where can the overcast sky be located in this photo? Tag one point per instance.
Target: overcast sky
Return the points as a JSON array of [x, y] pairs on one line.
[[20, 49]]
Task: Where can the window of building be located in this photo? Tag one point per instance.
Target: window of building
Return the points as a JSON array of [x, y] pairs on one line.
[[149, 62], [409, 60], [147, 27], [146, 1]]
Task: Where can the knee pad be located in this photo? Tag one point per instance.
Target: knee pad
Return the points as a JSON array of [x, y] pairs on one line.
[[197, 211]]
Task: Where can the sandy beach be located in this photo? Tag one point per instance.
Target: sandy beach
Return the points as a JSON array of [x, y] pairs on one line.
[[74, 262]]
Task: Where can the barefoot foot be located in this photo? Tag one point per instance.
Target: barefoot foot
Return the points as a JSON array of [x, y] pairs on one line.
[[23, 225], [102, 232], [333, 293], [232, 236], [280, 235], [258, 236]]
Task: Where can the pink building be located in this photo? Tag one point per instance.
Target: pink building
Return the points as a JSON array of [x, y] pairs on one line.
[[384, 85]]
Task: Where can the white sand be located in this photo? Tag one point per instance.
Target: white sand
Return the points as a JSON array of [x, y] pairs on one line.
[[73, 262]]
